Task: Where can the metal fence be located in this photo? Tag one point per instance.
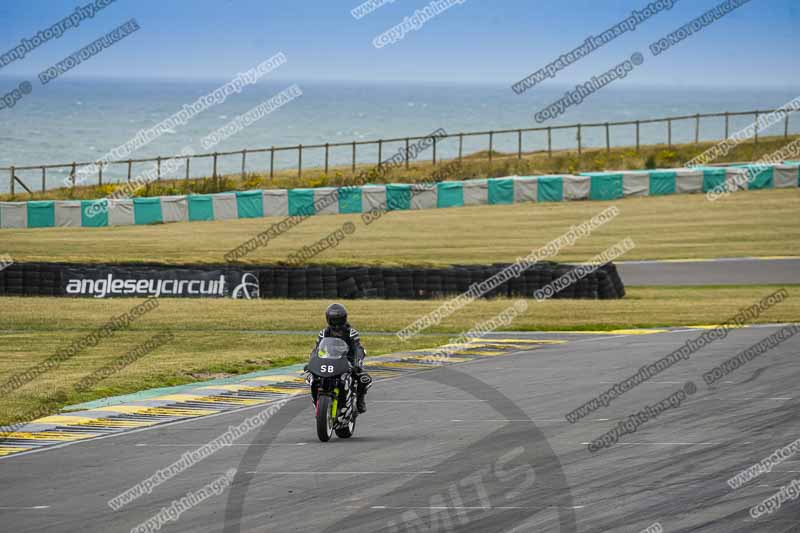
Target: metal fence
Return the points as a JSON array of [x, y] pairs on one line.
[[380, 143]]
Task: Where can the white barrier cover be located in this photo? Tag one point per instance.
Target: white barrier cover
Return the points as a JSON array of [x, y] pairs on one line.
[[331, 206], [577, 187], [373, 197], [68, 213], [423, 196], [785, 176], [525, 189], [636, 183], [120, 212], [13, 215], [476, 192], [736, 179], [224, 206], [276, 202], [174, 209], [688, 180]]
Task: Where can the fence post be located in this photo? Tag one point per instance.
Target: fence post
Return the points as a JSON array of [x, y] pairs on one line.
[[130, 163], [669, 133], [327, 149], [44, 178], [12, 181], [188, 159], [786, 126], [491, 145], [549, 141], [271, 162], [408, 152], [519, 144], [380, 153], [579, 141], [434, 151], [354, 157], [756, 135], [608, 139], [244, 162], [214, 173], [158, 168], [299, 161], [727, 123], [99, 173], [72, 174], [697, 128], [460, 146], [637, 136]]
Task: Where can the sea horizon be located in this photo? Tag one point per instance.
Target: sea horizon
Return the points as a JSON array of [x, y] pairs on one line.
[[82, 119]]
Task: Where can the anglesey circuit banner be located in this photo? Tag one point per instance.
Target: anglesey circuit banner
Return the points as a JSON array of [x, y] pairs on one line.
[[107, 281]]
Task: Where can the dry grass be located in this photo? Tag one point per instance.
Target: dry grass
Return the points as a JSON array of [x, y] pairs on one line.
[[475, 165], [641, 307], [753, 223]]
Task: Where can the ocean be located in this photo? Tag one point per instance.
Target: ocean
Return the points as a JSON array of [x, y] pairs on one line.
[[80, 120]]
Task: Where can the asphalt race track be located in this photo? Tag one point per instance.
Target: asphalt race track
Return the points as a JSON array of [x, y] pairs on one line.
[[733, 271], [480, 446]]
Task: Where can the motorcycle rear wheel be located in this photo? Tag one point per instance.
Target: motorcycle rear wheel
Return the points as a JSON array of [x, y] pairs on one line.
[[324, 418], [347, 432]]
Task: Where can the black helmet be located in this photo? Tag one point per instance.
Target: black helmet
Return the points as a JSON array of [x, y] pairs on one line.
[[336, 315]]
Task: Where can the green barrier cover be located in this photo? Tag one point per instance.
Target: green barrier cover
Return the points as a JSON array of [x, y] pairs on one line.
[[550, 189], [250, 204], [713, 179], [201, 207], [449, 194], [762, 180], [350, 200], [41, 214], [604, 186], [301, 202], [662, 182], [398, 196], [94, 213], [501, 191], [147, 211]]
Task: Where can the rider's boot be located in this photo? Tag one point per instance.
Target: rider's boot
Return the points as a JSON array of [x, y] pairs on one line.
[[364, 384], [361, 403]]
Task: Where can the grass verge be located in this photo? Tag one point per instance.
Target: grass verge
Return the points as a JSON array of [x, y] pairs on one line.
[[192, 356]]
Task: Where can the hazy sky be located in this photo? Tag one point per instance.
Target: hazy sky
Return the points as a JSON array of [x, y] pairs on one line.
[[497, 41]]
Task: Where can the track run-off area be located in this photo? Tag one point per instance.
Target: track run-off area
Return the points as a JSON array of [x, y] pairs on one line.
[[479, 444]]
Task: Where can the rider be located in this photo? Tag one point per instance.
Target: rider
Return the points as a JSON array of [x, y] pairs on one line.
[[336, 317]]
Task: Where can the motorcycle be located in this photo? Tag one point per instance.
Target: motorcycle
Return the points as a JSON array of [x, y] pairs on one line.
[[333, 389]]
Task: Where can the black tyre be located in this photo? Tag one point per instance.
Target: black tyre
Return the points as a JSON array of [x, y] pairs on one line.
[[347, 432], [266, 281], [324, 418]]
